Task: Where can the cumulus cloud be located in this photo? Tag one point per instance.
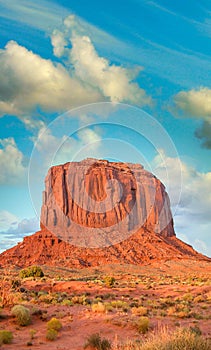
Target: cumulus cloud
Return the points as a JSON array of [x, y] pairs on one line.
[[23, 226], [58, 42], [197, 104], [192, 216], [11, 231], [30, 83], [114, 82], [7, 219], [12, 166]]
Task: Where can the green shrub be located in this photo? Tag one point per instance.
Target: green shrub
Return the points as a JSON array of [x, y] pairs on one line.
[[55, 324], [95, 341], [32, 333], [32, 271], [67, 302], [5, 337], [120, 304], [143, 325], [99, 307], [196, 330], [109, 281], [79, 299], [51, 334], [22, 315], [140, 310], [15, 284]]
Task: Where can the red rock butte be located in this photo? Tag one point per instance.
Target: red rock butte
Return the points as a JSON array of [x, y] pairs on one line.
[[99, 212]]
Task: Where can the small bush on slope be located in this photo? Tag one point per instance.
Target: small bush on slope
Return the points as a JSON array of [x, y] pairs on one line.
[[55, 324], [95, 342], [5, 337], [109, 281], [22, 315], [32, 271], [51, 334], [143, 324]]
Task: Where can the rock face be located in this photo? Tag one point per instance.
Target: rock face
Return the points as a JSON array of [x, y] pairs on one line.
[[96, 202], [98, 212]]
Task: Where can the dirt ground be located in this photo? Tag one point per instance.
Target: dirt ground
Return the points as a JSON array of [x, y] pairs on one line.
[[108, 300]]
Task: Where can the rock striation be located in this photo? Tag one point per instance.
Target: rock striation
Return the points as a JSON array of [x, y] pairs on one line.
[[97, 202], [99, 212]]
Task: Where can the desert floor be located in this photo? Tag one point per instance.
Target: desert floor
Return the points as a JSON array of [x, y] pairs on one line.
[[109, 300]]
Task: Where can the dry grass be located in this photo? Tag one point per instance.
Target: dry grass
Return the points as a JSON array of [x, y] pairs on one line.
[[181, 339]]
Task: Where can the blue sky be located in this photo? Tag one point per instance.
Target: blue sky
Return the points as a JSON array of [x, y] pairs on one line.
[[154, 55]]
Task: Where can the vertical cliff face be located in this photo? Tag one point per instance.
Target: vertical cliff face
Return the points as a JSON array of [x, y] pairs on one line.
[[98, 203]]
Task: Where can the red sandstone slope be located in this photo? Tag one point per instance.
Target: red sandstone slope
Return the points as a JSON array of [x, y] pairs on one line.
[[97, 212], [143, 247]]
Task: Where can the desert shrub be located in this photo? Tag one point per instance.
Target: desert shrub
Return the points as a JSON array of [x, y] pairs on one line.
[[5, 337], [32, 271], [79, 299], [109, 281], [179, 340], [197, 316], [120, 304], [99, 307], [188, 297], [15, 284], [51, 334], [183, 314], [67, 302], [55, 324], [32, 333], [143, 325], [199, 299], [22, 315], [46, 298], [141, 311], [196, 330], [10, 299], [171, 311], [108, 306], [94, 341]]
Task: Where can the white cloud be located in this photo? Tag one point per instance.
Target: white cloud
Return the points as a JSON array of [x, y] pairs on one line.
[[192, 217], [7, 219], [58, 42], [23, 226], [12, 167], [197, 104], [11, 231], [37, 83], [114, 82], [30, 83]]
